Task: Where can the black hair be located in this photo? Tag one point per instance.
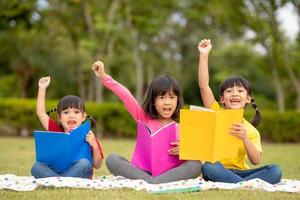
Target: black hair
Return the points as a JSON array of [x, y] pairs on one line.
[[240, 81], [160, 86], [71, 101]]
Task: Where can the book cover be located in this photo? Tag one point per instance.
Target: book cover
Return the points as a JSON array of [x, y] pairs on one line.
[[151, 150], [204, 134], [59, 149]]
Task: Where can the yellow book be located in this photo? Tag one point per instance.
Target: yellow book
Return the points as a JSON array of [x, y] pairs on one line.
[[204, 134]]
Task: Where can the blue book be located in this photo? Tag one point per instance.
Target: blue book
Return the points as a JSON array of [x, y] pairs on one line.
[[59, 149]]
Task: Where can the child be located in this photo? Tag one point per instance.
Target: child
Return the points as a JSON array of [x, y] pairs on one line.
[[161, 107], [235, 94], [70, 113]]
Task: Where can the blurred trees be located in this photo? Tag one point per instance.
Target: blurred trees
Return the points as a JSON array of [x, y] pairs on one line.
[[138, 40]]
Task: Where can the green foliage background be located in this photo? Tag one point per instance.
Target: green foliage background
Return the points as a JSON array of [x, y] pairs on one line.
[[113, 120], [138, 40]]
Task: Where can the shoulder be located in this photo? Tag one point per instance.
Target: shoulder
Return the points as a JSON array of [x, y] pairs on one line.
[[53, 126], [215, 106]]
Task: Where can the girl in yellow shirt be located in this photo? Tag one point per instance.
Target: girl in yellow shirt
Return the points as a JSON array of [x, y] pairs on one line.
[[235, 94]]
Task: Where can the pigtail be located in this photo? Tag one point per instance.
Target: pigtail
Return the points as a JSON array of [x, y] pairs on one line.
[[52, 110], [93, 121], [257, 118]]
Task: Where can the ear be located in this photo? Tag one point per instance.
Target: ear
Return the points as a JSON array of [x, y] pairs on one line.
[[58, 117], [222, 99], [84, 116], [248, 100]]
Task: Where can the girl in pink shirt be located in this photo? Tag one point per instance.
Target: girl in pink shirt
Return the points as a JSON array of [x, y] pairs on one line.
[[161, 107]]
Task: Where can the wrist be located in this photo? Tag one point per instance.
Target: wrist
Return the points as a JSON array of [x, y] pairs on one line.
[[42, 88], [245, 139], [202, 54], [94, 144], [102, 76]]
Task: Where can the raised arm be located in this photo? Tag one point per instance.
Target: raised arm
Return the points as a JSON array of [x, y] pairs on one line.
[[130, 103], [98, 68], [207, 95], [40, 104]]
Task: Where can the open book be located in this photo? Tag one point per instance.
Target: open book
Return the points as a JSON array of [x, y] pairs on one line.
[[204, 134], [59, 150], [151, 150]]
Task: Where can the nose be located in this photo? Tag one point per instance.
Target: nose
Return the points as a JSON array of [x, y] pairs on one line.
[[167, 101], [234, 92], [71, 114]]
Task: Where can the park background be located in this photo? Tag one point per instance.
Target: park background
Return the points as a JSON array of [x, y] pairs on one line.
[[138, 40]]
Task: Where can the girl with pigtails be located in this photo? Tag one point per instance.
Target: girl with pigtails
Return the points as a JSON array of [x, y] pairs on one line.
[[235, 94], [70, 114]]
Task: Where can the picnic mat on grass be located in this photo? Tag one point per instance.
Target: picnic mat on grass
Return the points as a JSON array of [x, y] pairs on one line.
[[29, 183]]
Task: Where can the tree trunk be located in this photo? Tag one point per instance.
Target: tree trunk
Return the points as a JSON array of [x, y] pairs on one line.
[[136, 57], [96, 88], [276, 80], [291, 74], [150, 74], [25, 74], [138, 66], [79, 70]]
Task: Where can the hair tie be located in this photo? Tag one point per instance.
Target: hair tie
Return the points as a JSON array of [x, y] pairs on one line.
[[52, 110]]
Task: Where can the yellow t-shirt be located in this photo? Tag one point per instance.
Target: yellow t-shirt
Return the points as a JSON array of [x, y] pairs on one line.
[[239, 162]]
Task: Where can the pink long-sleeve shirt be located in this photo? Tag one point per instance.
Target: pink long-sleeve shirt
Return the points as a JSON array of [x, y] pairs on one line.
[[132, 105]]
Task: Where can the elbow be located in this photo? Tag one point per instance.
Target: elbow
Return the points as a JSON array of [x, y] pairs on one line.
[[256, 161], [203, 88], [39, 115], [98, 164]]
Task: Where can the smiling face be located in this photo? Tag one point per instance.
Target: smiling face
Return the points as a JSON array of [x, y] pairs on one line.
[[164, 99], [235, 97], [165, 105], [71, 118]]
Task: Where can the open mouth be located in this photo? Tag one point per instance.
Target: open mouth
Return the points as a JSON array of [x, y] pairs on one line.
[[71, 123], [235, 101], [167, 111]]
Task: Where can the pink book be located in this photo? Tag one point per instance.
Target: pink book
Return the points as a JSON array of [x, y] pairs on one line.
[[151, 149]]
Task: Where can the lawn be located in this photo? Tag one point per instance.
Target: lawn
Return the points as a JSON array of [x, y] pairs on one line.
[[17, 156]]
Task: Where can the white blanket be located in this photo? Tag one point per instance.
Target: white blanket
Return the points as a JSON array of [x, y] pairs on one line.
[[29, 183]]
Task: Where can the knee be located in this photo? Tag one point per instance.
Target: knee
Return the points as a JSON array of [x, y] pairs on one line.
[[85, 163], [36, 168], [275, 172], [196, 167], [207, 167], [211, 168], [110, 159]]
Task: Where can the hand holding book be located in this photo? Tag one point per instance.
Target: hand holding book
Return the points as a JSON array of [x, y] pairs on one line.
[[175, 149]]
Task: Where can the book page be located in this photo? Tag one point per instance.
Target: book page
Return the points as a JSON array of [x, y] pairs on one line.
[[196, 134], [226, 145], [162, 128], [193, 107]]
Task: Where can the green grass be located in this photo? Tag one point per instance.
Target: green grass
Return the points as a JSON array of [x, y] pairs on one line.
[[17, 156]]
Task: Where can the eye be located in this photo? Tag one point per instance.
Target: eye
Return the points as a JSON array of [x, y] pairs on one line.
[[77, 111], [65, 112]]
